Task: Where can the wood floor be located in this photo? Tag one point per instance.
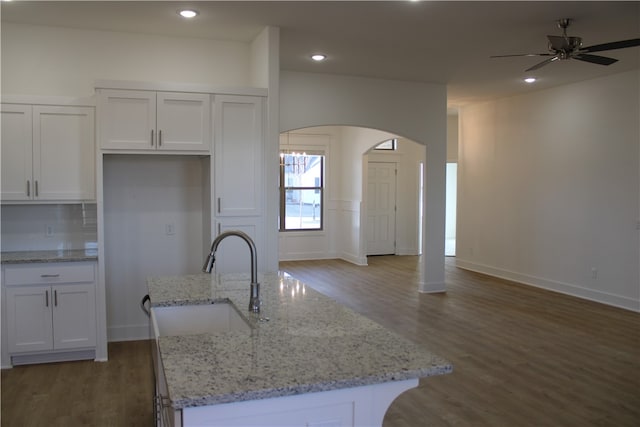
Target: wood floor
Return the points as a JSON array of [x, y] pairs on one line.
[[116, 393], [522, 356]]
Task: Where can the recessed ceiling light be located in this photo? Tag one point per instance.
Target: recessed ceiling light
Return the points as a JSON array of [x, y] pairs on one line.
[[318, 57], [188, 13], [530, 79]]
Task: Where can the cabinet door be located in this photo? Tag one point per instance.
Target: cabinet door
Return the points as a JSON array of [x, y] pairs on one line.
[[184, 121], [233, 255], [127, 119], [238, 142], [74, 316], [16, 152], [63, 153], [29, 319]]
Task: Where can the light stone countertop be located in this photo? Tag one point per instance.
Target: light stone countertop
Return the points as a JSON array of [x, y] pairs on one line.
[[310, 344], [63, 255]]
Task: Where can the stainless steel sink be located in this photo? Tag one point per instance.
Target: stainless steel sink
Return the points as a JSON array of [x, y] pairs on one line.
[[196, 319]]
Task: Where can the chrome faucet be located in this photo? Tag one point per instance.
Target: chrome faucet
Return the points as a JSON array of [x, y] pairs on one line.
[[254, 298]]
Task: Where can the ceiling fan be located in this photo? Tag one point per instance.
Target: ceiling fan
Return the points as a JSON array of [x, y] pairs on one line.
[[566, 47]]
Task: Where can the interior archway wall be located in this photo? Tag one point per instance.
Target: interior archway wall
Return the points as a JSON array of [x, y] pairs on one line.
[[417, 111], [348, 151]]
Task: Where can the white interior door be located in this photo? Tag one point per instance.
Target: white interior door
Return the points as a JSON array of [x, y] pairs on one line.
[[381, 208]]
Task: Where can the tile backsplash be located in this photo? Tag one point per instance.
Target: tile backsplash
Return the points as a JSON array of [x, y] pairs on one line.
[[48, 227]]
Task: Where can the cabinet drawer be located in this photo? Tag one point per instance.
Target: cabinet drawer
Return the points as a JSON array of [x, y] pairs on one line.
[[49, 273]]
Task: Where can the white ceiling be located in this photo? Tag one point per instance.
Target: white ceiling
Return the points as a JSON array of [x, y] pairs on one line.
[[426, 41]]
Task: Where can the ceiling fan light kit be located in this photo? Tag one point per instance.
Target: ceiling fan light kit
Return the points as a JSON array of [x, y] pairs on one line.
[[570, 47]]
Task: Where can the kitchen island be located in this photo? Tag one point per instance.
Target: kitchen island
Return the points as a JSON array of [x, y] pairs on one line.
[[305, 360]]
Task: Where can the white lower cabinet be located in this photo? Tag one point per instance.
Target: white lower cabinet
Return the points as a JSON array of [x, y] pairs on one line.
[[350, 407], [50, 312], [165, 415]]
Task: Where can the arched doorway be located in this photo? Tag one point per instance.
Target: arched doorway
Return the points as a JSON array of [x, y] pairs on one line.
[[417, 111], [344, 208]]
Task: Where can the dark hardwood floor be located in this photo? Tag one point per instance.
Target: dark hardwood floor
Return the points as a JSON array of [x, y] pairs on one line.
[[84, 393], [522, 356]]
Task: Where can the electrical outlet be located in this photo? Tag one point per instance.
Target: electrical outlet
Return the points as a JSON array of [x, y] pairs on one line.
[[48, 230], [594, 273], [170, 229]]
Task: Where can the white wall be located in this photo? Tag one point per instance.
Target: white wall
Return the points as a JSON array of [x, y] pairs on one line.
[[24, 227], [452, 138], [355, 142], [265, 72], [41, 60], [412, 110], [142, 196], [549, 191]]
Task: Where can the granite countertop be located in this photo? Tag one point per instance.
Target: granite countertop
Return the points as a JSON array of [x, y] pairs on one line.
[[309, 344], [63, 255]]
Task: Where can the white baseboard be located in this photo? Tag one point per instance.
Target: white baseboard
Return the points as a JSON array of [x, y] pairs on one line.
[[354, 259], [304, 256], [62, 356], [551, 285], [432, 287], [128, 333]]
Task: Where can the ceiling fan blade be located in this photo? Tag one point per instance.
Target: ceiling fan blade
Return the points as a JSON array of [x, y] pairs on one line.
[[622, 44], [543, 63], [594, 59], [522, 54]]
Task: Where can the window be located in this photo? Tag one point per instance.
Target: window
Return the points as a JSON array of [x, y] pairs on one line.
[[390, 144], [301, 191]]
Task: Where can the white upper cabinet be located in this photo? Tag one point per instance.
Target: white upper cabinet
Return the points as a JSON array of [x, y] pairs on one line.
[[47, 153], [63, 153], [126, 119], [238, 155], [184, 122], [17, 152], [154, 121]]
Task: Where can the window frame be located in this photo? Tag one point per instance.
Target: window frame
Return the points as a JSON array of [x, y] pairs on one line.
[[283, 189], [381, 146]]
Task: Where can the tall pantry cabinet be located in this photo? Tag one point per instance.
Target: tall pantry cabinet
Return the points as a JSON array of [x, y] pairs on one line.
[[238, 176], [176, 168]]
